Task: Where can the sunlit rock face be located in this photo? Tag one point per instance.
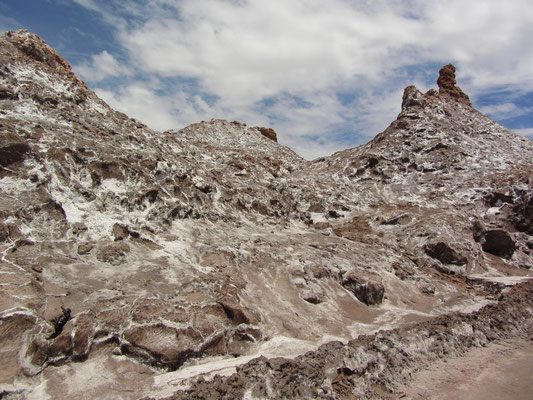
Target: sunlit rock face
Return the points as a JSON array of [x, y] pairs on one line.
[[152, 258]]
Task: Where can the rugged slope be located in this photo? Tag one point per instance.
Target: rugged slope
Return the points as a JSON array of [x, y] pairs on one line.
[[127, 253]]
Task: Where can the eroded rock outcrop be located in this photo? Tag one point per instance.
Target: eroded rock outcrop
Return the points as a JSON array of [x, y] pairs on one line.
[[447, 85]]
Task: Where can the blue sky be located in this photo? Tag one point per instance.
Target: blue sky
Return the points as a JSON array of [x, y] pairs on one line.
[[326, 75]]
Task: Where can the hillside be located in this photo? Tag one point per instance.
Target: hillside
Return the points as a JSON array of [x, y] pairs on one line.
[[137, 263]]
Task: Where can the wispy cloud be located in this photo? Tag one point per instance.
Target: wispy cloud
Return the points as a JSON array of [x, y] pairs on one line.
[[101, 66], [505, 111], [287, 63], [162, 112]]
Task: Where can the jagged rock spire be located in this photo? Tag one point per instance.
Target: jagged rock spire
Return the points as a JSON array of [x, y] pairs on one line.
[[448, 90], [446, 83]]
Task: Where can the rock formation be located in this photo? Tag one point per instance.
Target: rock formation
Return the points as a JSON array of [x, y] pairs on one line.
[[446, 83], [136, 263]]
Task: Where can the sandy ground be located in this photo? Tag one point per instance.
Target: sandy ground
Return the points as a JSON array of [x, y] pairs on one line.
[[499, 371]]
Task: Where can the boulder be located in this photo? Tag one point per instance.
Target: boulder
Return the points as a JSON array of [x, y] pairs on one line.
[[83, 335], [236, 313], [366, 286], [85, 248], [412, 97], [12, 149], [120, 231], [444, 253], [114, 254]]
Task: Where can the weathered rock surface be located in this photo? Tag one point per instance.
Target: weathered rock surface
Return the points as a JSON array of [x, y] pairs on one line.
[[178, 251], [372, 366]]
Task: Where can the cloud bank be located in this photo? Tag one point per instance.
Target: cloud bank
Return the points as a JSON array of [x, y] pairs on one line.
[[325, 75]]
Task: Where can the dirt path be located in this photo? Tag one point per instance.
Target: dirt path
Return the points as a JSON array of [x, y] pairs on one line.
[[500, 371]]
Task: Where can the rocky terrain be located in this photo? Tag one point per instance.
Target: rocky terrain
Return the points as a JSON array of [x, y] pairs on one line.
[[212, 262]]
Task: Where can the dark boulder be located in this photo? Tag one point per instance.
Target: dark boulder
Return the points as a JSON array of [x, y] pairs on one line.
[[444, 253], [498, 242], [12, 149]]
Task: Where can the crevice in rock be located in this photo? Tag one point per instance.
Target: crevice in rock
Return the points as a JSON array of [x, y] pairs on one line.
[[59, 322]]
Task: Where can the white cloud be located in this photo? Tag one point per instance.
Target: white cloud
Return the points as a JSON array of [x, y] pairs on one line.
[[246, 51], [102, 66], [528, 132], [161, 112], [293, 57], [505, 111]]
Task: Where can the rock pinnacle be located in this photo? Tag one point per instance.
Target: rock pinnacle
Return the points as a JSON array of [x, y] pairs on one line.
[[446, 83]]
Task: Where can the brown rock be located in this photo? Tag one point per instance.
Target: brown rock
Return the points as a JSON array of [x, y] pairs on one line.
[[236, 313], [114, 254], [83, 335], [321, 225], [316, 207], [366, 286], [4, 232], [37, 351], [113, 319], [61, 346], [37, 268], [523, 214], [242, 338], [259, 207], [210, 319], [219, 259], [412, 97], [269, 133], [147, 310], [444, 253], [13, 148], [6, 93], [35, 48], [12, 329], [85, 248], [120, 232], [105, 170], [446, 83], [446, 79], [357, 229]]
